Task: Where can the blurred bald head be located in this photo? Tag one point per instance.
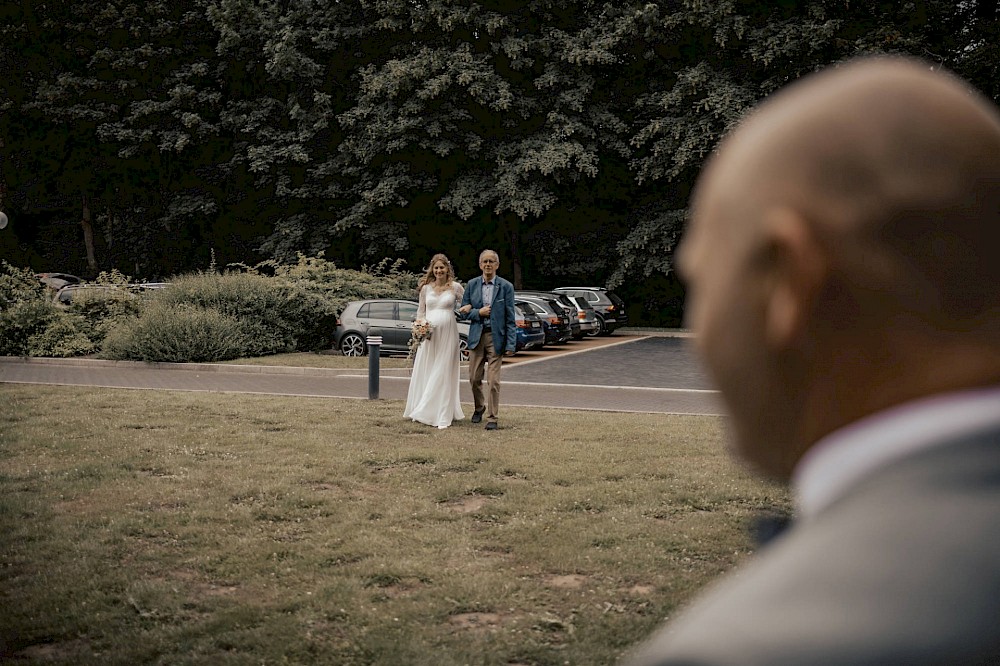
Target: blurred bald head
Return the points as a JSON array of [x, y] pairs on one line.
[[900, 163], [853, 223]]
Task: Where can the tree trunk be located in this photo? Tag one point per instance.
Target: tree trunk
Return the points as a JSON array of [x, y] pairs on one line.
[[515, 254], [88, 237]]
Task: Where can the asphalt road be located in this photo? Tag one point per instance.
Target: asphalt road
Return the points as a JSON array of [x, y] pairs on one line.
[[630, 375], [639, 362]]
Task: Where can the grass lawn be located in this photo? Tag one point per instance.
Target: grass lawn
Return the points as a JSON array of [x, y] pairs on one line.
[[314, 360], [149, 527]]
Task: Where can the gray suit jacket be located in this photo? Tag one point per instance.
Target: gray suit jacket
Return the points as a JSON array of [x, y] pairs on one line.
[[903, 569]]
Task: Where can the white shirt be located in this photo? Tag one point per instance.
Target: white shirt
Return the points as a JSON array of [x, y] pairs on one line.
[[847, 455]]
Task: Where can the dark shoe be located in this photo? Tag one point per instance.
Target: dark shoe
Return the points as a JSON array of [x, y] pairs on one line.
[[477, 417], [492, 425]]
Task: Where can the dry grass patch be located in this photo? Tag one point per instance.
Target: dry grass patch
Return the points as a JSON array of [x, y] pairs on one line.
[[194, 528]]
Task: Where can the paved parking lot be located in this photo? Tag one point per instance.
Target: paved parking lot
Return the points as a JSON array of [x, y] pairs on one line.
[[653, 362]]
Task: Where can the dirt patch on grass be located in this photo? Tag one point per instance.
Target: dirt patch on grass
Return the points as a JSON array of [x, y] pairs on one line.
[[476, 621], [64, 651], [466, 504], [192, 584], [566, 581], [399, 590], [641, 590]]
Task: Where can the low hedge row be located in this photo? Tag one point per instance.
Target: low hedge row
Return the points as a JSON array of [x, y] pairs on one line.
[[243, 312]]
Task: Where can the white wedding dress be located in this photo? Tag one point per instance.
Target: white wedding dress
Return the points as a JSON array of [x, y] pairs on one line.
[[433, 395]]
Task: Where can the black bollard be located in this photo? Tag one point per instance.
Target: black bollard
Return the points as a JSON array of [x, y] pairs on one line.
[[374, 348]]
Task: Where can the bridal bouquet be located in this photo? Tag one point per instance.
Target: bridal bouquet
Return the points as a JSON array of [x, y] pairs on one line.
[[419, 331]]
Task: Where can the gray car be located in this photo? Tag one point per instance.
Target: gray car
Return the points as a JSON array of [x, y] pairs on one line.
[[389, 318], [585, 314], [610, 308]]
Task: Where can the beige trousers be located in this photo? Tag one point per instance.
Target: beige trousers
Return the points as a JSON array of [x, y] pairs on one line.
[[485, 358]]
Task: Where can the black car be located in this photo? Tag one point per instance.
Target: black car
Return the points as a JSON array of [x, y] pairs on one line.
[[554, 317], [529, 329], [582, 317], [389, 318], [610, 308]]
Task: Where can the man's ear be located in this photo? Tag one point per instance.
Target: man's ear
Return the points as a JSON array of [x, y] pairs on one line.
[[797, 268]]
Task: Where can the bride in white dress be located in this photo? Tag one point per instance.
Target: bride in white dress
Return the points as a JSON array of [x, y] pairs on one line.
[[433, 395]]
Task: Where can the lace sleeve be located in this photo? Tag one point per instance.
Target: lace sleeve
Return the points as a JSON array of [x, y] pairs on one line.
[[459, 291], [422, 305]]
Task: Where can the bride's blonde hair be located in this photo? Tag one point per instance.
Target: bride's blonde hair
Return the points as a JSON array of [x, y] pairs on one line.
[[428, 277]]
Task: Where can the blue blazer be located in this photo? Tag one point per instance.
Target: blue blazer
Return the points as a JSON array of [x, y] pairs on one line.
[[502, 315]]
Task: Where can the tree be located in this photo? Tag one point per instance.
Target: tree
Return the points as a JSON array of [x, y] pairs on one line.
[[710, 63], [115, 118], [565, 135]]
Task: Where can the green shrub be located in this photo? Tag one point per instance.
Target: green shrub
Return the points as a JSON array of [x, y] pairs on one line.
[[21, 322], [325, 290], [25, 310], [32, 325], [341, 285], [103, 309], [178, 333], [275, 315], [18, 285], [204, 316], [66, 334]]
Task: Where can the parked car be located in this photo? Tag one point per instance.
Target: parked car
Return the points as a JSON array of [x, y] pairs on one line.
[[585, 314], [74, 291], [529, 328], [94, 292], [610, 308], [57, 281], [141, 287], [576, 332], [389, 318], [554, 318]]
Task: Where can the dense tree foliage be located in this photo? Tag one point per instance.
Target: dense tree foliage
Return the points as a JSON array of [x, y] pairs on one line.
[[144, 134]]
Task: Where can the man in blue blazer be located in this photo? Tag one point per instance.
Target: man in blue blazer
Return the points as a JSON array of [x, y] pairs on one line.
[[843, 264], [488, 304]]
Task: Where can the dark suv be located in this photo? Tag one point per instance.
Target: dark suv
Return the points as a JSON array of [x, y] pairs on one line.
[[610, 309], [571, 308], [557, 324]]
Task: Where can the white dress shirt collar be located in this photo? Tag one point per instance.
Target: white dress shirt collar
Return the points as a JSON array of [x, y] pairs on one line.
[[849, 454]]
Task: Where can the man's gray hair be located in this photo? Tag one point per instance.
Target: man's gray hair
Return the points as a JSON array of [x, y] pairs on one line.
[[485, 252]]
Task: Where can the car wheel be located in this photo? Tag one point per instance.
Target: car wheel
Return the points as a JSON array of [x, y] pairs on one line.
[[600, 330], [463, 349], [353, 344]]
